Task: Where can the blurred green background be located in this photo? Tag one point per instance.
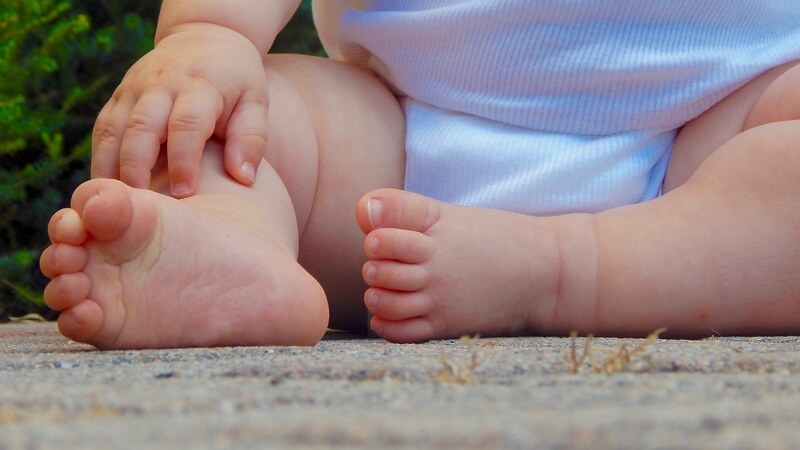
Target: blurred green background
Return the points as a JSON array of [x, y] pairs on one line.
[[59, 62]]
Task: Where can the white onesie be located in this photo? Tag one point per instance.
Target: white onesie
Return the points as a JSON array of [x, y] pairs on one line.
[[554, 106]]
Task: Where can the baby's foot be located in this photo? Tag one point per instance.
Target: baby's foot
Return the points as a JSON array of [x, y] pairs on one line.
[[132, 268], [440, 271]]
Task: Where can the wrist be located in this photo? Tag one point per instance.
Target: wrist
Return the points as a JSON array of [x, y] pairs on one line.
[[576, 304], [198, 32], [258, 20], [201, 31]]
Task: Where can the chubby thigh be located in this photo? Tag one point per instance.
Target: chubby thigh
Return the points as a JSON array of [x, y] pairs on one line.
[[335, 132], [773, 96]]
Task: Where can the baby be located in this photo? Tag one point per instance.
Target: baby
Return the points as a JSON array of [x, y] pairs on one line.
[[516, 167]]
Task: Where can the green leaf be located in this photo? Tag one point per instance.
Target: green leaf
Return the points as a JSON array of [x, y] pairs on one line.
[[54, 143], [24, 258]]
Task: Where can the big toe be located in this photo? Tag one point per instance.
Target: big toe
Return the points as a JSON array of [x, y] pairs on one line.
[[105, 206], [393, 208]]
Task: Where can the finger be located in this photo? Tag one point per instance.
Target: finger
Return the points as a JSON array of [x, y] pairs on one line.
[[246, 137], [191, 124], [107, 136], [145, 130]]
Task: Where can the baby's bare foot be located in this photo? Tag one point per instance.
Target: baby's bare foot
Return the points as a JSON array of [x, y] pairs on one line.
[[132, 268], [440, 271]]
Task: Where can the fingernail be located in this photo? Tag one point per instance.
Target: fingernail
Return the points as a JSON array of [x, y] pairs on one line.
[[249, 171], [375, 211], [180, 189]]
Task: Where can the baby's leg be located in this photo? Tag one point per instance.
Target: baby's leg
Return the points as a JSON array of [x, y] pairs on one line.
[[718, 253], [763, 100], [358, 140], [135, 268], [438, 270]]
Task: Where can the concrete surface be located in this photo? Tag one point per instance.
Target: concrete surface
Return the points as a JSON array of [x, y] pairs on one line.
[[366, 393]]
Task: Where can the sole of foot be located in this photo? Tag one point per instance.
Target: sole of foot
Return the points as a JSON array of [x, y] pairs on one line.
[[132, 268]]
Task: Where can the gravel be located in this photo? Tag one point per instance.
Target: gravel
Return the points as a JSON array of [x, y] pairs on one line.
[[352, 392]]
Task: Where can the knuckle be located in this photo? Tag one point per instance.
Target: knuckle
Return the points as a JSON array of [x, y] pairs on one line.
[[183, 161], [140, 123], [255, 137], [104, 133], [131, 170], [128, 159], [185, 122]]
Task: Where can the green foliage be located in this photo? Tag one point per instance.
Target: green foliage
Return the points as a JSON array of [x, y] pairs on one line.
[[59, 62], [299, 36], [56, 68]]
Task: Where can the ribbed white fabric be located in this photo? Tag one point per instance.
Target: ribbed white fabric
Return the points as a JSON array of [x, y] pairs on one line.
[[553, 106]]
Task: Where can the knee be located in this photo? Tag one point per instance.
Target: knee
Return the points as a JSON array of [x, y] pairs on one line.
[[763, 159], [340, 83], [779, 102]]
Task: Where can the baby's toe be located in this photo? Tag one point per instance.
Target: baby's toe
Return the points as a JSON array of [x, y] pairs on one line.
[[66, 291], [392, 208], [59, 259], [396, 244], [66, 227], [418, 329], [81, 322], [392, 305], [395, 275], [105, 207]]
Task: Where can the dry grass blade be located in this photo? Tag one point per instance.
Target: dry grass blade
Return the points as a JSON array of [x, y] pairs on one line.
[[575, 361], [615, 362], [27, 318], [461, 373]]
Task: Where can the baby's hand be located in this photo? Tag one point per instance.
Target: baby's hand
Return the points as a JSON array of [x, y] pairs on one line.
[[201, 81]]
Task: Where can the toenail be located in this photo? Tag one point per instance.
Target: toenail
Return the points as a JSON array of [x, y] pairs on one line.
[[372, 246], [68, 228], [69, 219], [372, 299], [371, 271], [375, 211]]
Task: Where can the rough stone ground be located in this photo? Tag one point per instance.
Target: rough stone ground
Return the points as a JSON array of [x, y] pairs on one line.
[[366, 393]]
